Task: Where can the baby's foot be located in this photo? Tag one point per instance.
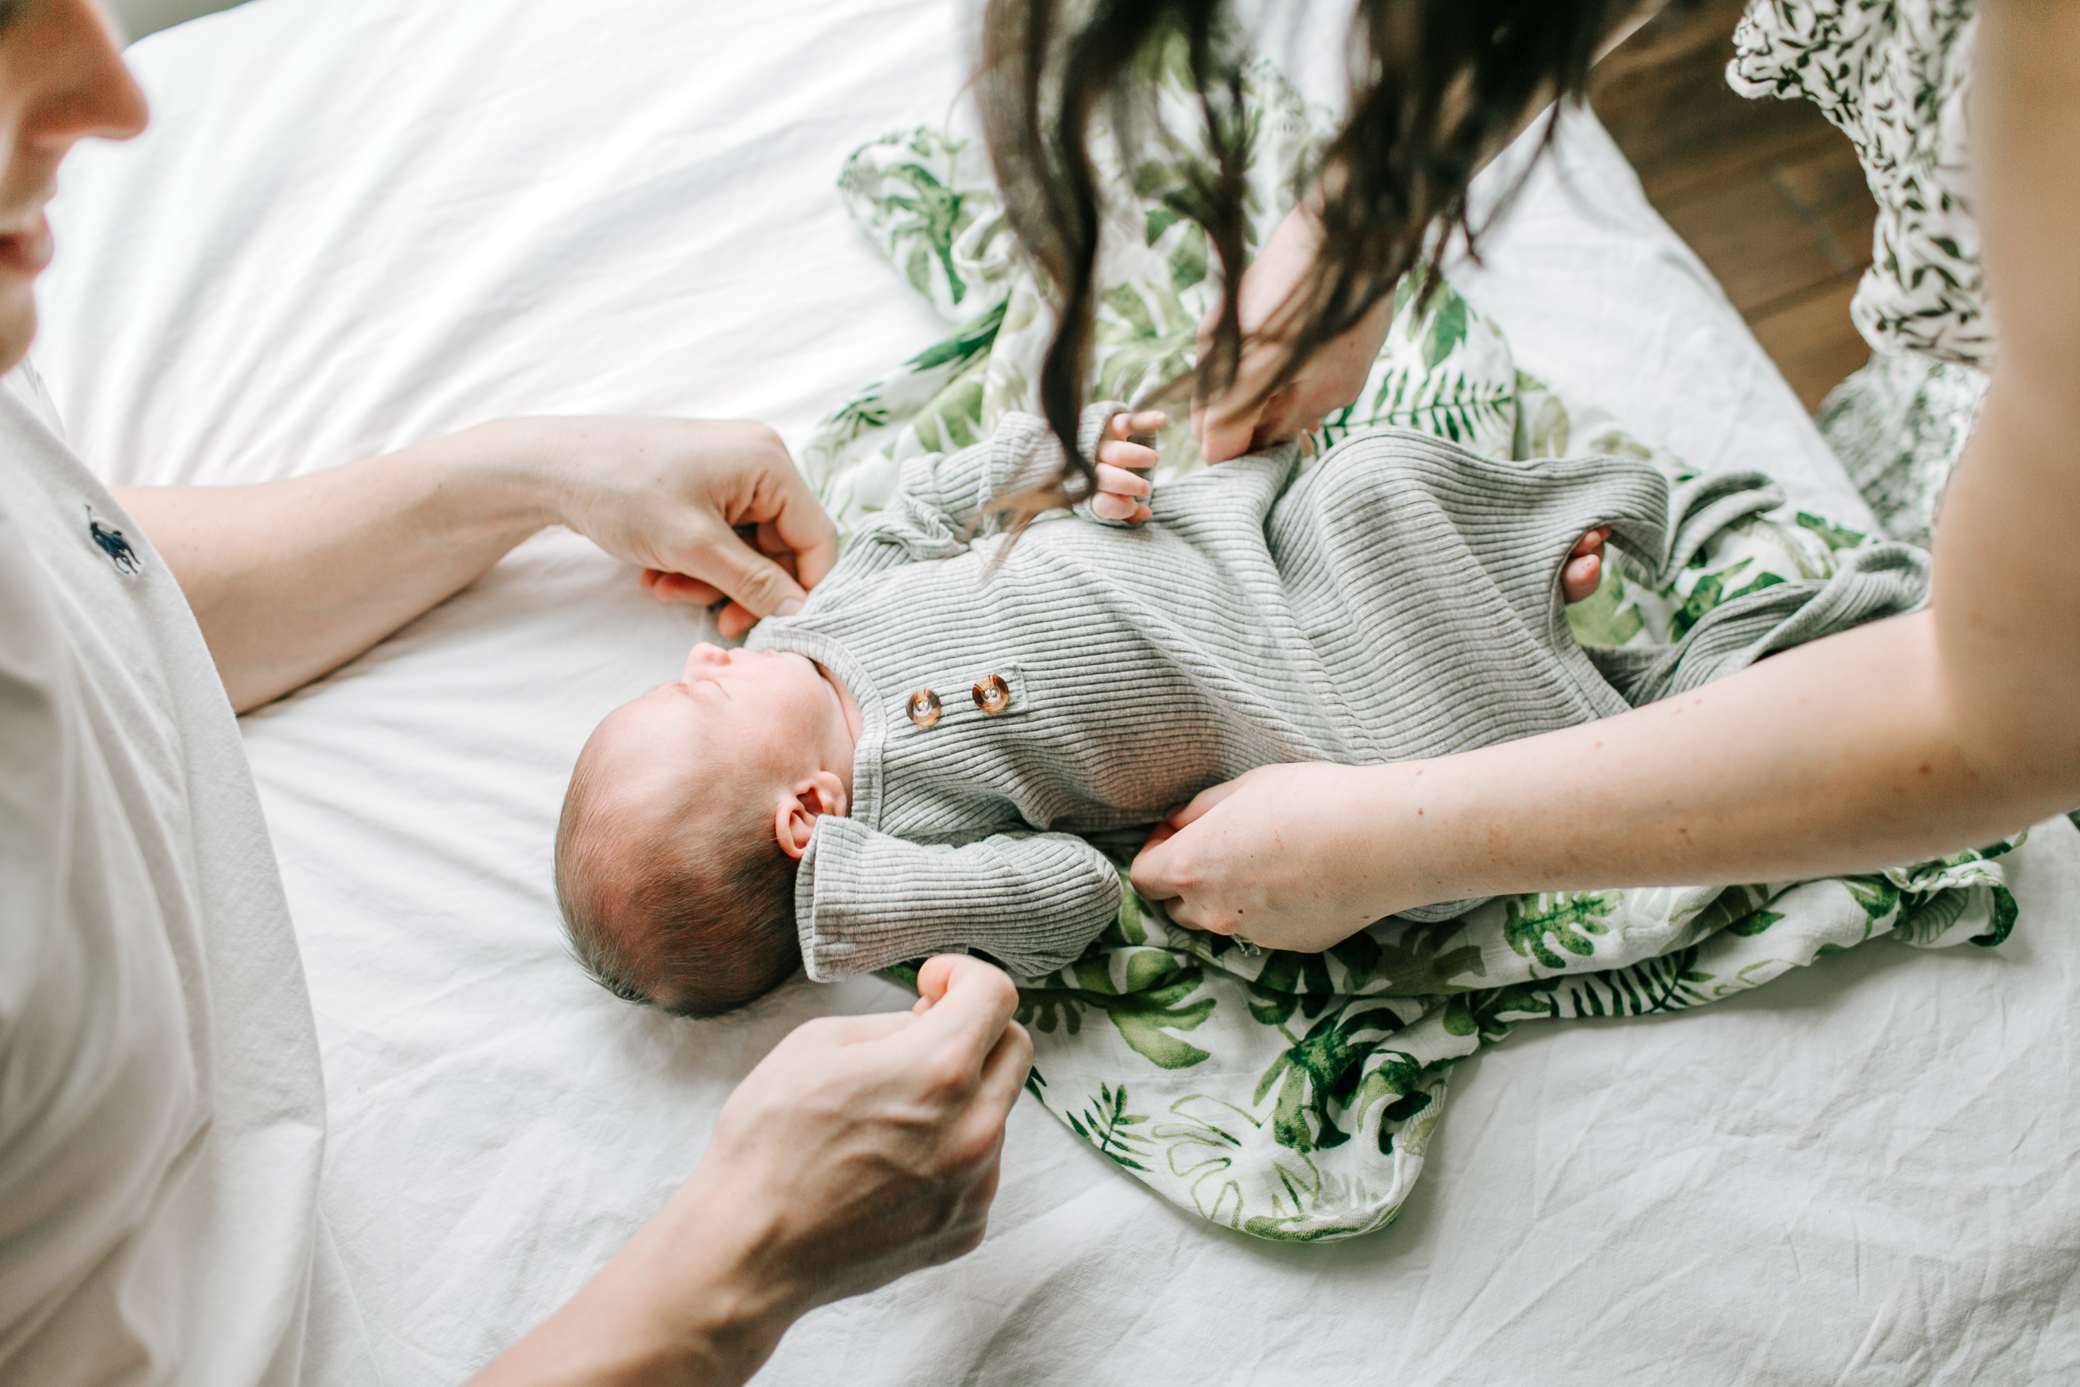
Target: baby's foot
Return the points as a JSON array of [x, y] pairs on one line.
[[1122, 491], [1582, 574]]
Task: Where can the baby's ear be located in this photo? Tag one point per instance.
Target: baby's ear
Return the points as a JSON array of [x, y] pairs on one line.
[[799, 809]]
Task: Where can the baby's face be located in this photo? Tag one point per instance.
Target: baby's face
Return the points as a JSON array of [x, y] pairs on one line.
[[756, 694], [747, 724]]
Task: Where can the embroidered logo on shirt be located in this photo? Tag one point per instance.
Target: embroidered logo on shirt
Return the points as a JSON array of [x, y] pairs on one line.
[[111, 542]]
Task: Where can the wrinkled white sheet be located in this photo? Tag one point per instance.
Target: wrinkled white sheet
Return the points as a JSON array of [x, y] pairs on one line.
[[360, 222]]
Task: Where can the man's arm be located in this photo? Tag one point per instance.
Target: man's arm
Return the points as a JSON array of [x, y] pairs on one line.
[[861, 1149], [1899, 741], [290, 579]]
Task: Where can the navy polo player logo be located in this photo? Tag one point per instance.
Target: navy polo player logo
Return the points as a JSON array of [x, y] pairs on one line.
[[111, 542]]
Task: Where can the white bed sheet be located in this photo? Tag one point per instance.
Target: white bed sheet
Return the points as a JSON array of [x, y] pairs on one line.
[[361, 222]]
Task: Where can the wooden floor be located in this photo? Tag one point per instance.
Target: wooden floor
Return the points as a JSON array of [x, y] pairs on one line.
[[1767, 192]]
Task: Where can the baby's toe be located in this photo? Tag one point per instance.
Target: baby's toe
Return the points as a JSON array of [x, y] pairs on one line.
[[1581, 577]]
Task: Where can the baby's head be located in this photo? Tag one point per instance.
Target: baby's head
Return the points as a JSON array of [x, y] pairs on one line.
[[687, 815]]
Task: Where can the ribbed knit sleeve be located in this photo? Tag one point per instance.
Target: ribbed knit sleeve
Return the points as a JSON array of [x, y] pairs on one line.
[[865, 900], [945, 501]]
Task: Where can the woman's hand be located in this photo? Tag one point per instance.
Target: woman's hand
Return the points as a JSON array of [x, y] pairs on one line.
[[1282, 856], [1244, 418], [1122, 489], [709, 510], [860, 1149]]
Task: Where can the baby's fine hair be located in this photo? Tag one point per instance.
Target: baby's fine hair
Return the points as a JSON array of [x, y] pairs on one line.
[[693, 922]]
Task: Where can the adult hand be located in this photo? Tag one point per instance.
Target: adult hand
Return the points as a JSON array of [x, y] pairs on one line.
[[861, 1148], [1285, 856], [680, 498], [1247, 417], [868, 1145]]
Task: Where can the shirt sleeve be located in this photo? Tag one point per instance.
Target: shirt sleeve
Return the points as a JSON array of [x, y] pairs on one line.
[[946, 501], [865, 900]]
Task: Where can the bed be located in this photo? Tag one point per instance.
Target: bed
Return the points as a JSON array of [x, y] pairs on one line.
[[358, 223]]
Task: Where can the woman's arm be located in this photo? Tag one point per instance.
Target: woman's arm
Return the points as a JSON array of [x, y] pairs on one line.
[[291, 579], [862, 1148], [1903, 740]]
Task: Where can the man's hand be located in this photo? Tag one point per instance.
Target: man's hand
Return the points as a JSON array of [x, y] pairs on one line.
[[861, 1148], [1247, 417], [679, 498], [867, 1146], [293, 578]]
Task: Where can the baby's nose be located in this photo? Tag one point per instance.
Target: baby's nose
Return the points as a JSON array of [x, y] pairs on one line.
[[705, 654]]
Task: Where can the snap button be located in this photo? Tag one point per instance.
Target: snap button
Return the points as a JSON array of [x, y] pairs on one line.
[[924, 707], [992, 695]]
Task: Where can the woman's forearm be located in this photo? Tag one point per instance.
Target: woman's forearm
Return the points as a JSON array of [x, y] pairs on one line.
[[290, 579], [1843, 756], [1900, 741], [1850, 754]]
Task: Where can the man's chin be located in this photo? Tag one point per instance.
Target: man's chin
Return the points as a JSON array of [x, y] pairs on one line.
[[17, 324]]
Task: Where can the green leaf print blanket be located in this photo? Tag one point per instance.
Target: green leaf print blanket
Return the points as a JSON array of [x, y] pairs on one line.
[[1291, 1095]]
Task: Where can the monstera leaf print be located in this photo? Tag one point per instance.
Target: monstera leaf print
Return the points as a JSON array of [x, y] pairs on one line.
[[1319, 1073], [1569, 920]]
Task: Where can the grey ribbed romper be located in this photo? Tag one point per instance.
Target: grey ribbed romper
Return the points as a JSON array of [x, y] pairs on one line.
[[1398, 599]]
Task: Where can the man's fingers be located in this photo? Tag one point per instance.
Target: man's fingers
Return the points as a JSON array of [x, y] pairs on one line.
[[1004, 1073], [972, 1002], [809, 535], [785, 510], [677, 587], [940, 972], [735, 621], [750, 579], [856, 1030]]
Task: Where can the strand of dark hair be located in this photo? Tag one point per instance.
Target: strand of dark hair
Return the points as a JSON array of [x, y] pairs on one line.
[[1442, 84]]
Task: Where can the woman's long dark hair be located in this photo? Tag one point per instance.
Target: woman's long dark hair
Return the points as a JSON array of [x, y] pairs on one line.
[[1440, 82]]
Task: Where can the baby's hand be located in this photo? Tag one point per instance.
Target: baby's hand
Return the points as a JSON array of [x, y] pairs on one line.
[[1122, 493]]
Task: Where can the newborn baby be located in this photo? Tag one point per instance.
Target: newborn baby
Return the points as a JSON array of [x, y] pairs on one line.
[[903, 767]]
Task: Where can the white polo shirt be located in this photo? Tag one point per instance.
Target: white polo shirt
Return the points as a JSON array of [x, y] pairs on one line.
[[161, 1114]]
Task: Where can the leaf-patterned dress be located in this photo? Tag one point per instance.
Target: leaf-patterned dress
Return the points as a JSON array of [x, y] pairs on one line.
[[1893, 76]]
